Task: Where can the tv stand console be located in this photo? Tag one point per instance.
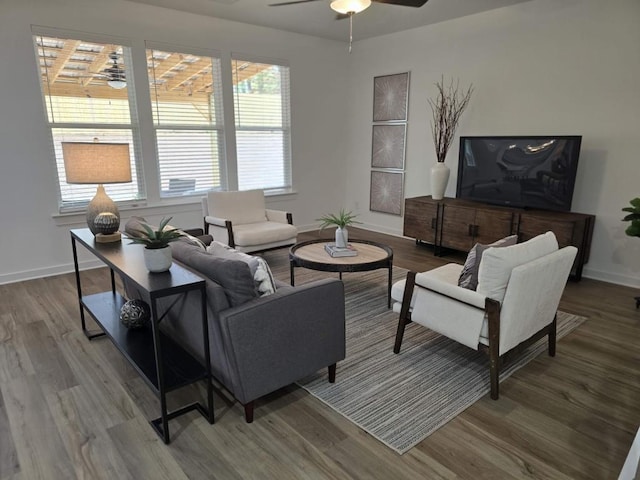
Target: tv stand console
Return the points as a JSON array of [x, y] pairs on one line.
[[457, 224]]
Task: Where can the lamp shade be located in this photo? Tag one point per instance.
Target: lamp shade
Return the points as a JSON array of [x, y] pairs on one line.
[[93, 162], [350, 6]]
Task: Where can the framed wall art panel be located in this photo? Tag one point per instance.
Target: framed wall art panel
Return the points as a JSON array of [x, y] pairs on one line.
[[386, 192], [388, 146], [391, 97]]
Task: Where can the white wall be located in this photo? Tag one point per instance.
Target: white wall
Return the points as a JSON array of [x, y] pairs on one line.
[[538, 68], [36, 240]]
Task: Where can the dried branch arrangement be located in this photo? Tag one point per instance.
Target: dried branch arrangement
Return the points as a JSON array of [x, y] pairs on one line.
[[447, 108]]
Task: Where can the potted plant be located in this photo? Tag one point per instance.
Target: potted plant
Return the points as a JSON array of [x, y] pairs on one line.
[[447, 109], [157, 252], [341, 220], [633, 230]]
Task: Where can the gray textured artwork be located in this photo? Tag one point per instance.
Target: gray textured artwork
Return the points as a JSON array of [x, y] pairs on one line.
[[390, 97], [388, 146], [386, 192]]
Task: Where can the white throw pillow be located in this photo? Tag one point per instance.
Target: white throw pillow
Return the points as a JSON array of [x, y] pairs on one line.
[[262, 277], [469, 274], [497, 263]]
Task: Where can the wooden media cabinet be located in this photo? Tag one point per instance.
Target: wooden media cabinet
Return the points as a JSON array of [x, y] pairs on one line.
[[457, 224]]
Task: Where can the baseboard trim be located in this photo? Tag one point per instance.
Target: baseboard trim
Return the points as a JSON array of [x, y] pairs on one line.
[[34, 274]]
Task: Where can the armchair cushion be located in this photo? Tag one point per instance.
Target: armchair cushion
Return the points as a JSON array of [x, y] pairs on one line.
[[469, 275], [240, 207], [263, 233], [497, 263]]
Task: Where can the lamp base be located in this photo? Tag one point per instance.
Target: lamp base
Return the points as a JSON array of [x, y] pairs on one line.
[[101, 203], [108, 237]]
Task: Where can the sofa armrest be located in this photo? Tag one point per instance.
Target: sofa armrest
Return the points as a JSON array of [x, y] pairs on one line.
[[275, 340], [279, 216]]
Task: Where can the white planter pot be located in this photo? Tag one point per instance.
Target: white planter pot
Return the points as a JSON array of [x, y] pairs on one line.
[[158, 259], [342, 237], [439, 179]]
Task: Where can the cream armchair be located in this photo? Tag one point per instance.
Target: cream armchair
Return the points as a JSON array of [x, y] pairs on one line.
[[241, 220], [515, 304]]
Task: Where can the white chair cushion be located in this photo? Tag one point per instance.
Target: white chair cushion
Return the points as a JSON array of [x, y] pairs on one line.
[[263, 233], [240, 207], [497, 263]]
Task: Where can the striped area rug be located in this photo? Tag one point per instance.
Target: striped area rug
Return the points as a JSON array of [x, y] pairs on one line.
[[400, 399]]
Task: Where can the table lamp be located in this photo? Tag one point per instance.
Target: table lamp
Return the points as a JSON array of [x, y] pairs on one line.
[[99, 163]]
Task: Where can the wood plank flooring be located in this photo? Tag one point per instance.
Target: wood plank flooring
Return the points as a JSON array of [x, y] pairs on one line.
[[71, 408]]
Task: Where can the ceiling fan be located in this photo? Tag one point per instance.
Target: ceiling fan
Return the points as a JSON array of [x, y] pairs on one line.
[[348, 8], [115, 74]]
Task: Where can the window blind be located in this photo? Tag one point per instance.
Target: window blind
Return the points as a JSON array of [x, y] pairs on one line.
[[263, 125], [186, 99], [82, 107]]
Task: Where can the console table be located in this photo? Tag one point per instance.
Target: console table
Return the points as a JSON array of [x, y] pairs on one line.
[[458, 224], [162, 363]]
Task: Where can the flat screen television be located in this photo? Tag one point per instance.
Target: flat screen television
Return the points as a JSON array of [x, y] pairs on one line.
[[525, 172]]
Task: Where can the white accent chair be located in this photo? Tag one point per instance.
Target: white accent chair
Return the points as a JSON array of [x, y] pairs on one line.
[[515, 304], [241, 220]]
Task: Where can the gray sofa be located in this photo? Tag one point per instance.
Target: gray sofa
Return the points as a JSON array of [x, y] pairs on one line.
[[258, 344]]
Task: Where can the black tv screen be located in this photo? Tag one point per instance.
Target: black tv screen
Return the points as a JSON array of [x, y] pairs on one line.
[[529, 172]]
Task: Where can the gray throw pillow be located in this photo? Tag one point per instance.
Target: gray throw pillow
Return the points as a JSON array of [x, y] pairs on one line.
[[234, 276], [469, 274]]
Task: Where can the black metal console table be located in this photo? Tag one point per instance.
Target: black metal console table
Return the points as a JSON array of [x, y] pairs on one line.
[[162, 363]]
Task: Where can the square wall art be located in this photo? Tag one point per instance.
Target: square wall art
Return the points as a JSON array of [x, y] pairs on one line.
[[386, 192], [388, 146], [391, 97]]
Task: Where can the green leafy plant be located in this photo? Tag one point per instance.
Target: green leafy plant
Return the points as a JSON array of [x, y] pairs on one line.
[[633, 230], [341, 220], [154, 239]]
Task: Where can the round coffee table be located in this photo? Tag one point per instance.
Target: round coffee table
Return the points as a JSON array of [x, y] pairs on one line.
[[371, 256]]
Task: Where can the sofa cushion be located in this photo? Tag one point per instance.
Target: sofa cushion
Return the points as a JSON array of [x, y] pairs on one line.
[[263, 279], [234, 276], [240, 207], [497, 263], [469, 275]]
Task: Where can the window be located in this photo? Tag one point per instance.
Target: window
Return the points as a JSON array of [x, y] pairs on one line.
[[186, 99], [87, 98], [263, 125]]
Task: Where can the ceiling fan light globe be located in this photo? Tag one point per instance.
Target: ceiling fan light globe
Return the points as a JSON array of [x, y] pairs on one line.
[[117, 84], [350, 6]]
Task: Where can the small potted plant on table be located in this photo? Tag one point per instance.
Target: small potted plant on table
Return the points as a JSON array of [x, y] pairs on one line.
[[341, 220], [157, 252]]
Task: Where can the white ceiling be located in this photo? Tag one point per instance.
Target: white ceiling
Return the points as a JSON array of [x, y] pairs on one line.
[[316, 18]]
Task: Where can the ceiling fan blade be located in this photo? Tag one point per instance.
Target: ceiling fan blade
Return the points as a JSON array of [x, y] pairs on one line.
[[293, 2], [404, 3]]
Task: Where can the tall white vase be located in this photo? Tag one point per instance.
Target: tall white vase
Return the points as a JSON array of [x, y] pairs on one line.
[[439, 179], [342, 237]]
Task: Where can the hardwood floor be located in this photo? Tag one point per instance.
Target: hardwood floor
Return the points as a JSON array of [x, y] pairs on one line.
[[71, 408]]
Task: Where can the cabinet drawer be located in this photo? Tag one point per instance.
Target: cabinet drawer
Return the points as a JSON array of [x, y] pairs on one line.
[[530, 226], [492, 225], [457, 227]]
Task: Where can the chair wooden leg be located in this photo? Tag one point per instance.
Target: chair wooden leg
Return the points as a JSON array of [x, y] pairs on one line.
[[404, 319], [248, 411], [552, 336], [206, 227], [492, 308], [332, 373]]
